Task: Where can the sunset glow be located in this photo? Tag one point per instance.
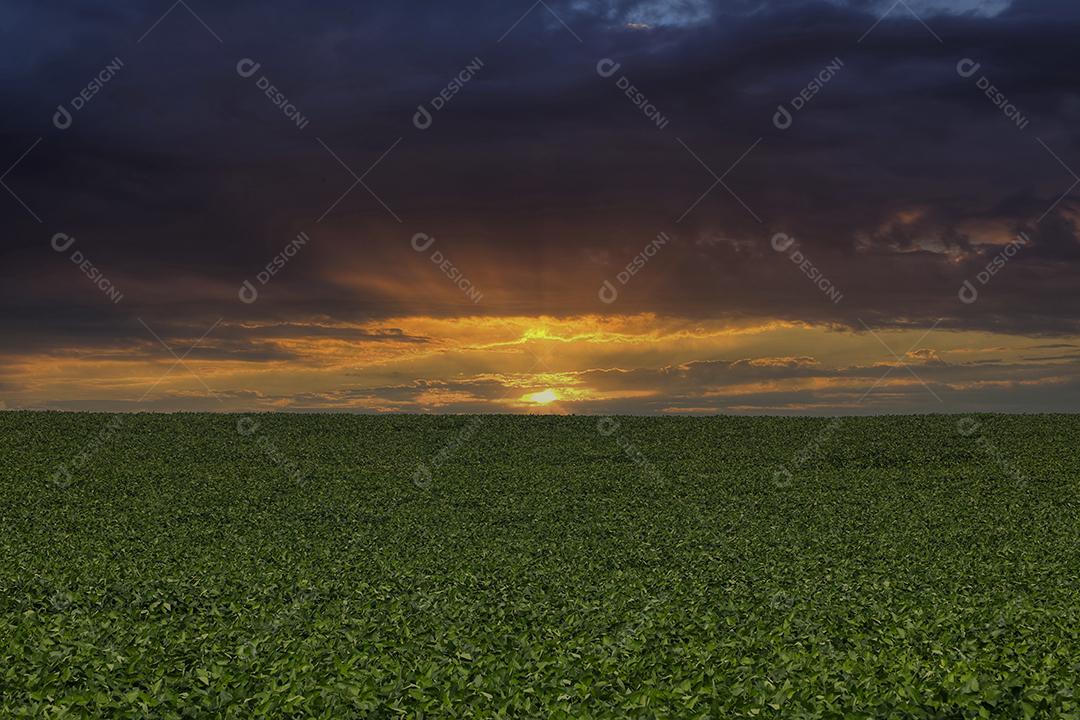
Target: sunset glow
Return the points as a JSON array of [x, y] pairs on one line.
[[543, 398], [640, 219]]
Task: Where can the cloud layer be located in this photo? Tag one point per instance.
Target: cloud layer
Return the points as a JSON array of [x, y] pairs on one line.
[[924, 179]]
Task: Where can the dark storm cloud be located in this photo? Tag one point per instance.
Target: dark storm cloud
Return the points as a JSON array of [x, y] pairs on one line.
[[930, 385], [60, 332], [181, 179]]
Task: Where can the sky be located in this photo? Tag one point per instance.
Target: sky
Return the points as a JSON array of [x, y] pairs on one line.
[[569, 206]]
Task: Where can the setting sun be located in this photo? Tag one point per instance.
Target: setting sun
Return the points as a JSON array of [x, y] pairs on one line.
[[543, 398]]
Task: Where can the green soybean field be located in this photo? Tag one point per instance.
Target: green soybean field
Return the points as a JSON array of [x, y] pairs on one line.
[[346, 566]]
